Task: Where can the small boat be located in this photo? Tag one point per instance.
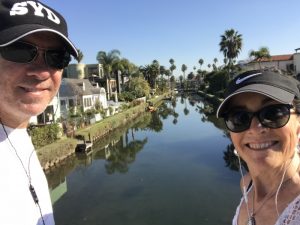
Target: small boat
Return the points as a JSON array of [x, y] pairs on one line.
[[84, 147]]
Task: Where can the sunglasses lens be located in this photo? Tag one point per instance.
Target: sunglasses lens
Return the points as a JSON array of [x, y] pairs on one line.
[[57, 59], [275, 116], [18, 52], [238, 121]]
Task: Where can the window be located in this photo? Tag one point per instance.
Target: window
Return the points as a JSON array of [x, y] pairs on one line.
[[71, 102]]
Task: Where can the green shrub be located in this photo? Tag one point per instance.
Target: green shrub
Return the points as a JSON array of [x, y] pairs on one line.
[[45, 135]]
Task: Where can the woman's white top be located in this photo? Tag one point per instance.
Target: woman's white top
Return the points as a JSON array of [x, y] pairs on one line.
[[289, 216], [16, 203]]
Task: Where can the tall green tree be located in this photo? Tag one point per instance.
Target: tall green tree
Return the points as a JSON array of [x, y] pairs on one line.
[[151, 72], [231, 45], [173, 66], [183, 69], [108, 61], [201, 61], [262, 52]]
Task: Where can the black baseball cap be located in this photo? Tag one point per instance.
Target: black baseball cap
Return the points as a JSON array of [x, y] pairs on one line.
[[281, 88], [21, 18]]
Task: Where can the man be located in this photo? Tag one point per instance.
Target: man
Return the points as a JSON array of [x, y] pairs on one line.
[[34, 49]]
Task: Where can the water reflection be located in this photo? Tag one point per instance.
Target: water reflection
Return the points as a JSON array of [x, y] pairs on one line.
[[116, 149], [119, 157], [161, 169], [208, 112]]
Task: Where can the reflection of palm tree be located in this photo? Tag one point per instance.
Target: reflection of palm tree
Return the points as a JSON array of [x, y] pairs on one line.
[[185, 110], [120, 157], [156, 124], [182, 99], [175, 121]]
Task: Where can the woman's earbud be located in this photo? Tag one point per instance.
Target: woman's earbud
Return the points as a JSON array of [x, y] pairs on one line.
[[235, 152]]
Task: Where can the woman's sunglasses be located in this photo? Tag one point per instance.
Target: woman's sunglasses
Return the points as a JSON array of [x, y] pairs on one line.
[[272, 116], [22, 52]]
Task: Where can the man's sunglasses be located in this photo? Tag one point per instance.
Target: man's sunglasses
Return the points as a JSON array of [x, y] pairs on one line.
[[272, 116], [22, 52]]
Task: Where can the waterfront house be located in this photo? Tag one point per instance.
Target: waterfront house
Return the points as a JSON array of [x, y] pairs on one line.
[[75, 93]]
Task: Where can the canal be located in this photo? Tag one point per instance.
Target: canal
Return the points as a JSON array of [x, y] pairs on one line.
[[173, 166]]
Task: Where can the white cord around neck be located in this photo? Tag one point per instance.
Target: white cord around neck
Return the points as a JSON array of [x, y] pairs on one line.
[[27, 172], [245, 194]]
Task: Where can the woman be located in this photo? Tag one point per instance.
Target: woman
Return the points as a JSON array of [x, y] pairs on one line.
[[261, 111]]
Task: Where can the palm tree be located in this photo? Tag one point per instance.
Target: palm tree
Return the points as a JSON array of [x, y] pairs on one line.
[[181, 79], [183, 69], [215, 60], [171, 61], [154, 71], [150, 73], [172, 67], [108, 60], [231, 45], [262, 52], [201, 61], [80, 56]]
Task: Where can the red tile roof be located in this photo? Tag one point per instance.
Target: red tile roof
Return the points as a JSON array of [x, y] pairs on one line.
[[277, 58]]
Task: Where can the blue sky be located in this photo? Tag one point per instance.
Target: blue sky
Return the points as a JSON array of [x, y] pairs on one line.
[[185, 30]]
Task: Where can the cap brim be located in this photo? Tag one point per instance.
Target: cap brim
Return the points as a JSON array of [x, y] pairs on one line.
[[272, 92], [13, 34]]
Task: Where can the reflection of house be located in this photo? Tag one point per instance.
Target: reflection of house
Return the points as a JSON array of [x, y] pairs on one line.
[[58, 191], [76, 93]]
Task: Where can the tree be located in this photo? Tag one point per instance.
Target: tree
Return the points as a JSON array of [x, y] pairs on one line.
[[150, 73], [201, 61], [162, 71], [80, 56], [172, 67], [183, 69], [138, 87], [231, 45], [262, 53], [108, 60], [181, 79], [215, 60], [154, 71]]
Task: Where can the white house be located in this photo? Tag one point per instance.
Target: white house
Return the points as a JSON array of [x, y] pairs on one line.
[[51, 113], [80, 93], [281, 62]]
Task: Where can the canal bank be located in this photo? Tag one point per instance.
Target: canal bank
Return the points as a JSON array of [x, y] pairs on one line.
[[54, 154]]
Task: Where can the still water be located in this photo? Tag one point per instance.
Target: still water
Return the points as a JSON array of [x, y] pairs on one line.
[[169, 167]]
